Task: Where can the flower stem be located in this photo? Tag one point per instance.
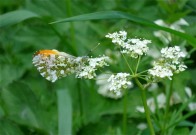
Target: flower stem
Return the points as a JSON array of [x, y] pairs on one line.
[[137, 64], [168, 97], [127, 63], [125, 114], [147, 112]]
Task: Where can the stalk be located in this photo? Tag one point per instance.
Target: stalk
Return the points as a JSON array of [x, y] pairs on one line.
[[167, 107], [125, 114], [147, 112]]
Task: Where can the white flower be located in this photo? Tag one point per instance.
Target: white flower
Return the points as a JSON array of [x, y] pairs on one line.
[[135, 47], [119, 82], [132, 47], [181, 68], [160, 71], [169, 63], [88, 68], [103, 89], [172, 53], [117, 37]]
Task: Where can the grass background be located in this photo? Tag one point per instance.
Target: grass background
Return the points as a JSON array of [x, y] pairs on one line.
[[30, 105]]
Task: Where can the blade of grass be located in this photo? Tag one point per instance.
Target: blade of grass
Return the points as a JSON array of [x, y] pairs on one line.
[[64, 113], [121, 15], [15, 17]]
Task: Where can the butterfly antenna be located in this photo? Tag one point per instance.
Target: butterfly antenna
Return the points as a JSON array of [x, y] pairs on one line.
[[93, 49]]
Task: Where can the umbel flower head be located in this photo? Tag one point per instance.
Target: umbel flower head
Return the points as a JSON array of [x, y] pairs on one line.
[[132, 47], [169, 63], [119, 82], [88, 68], [104, 86], [53, 65], [113, 86]]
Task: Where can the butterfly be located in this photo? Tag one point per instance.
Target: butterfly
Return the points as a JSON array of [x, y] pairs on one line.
[[53, 64]]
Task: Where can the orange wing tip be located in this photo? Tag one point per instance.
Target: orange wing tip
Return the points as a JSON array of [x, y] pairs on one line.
[[47, 52]]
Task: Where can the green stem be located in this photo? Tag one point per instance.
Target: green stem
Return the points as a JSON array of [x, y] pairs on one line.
[[127, 63], [125, 114], [137, 64], [168, 97], [147, 112]]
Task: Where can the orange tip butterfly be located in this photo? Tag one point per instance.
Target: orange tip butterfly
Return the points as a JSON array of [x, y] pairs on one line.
[[53, 64]]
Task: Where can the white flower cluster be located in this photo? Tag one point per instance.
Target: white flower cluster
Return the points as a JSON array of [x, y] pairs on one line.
[[117, 37], [166, 37], [87, 71], [169, 63], [119, 82], [132, 47], [53, 65], [104, 88]]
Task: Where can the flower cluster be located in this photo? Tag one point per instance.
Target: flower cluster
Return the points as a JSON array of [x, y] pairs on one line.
[[119, 82], [132, 47], [117, 37], [104, 88], [169, 63], [87, 70], [53, 65]]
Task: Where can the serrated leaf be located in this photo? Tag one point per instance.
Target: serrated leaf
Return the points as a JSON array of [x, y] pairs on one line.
[[14, 17]]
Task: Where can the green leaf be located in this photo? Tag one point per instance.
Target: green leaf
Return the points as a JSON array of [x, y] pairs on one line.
[[193, 132], [15, 17], [22, 106], [64, 112], [130, 17]]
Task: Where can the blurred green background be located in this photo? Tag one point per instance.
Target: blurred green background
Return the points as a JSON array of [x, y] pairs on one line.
[[30, 105]]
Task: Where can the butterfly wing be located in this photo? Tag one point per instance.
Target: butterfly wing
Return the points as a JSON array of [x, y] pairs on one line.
[[53, 64]]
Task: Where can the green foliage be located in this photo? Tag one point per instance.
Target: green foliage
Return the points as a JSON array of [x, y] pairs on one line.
[[30, 105], [15, 17]]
